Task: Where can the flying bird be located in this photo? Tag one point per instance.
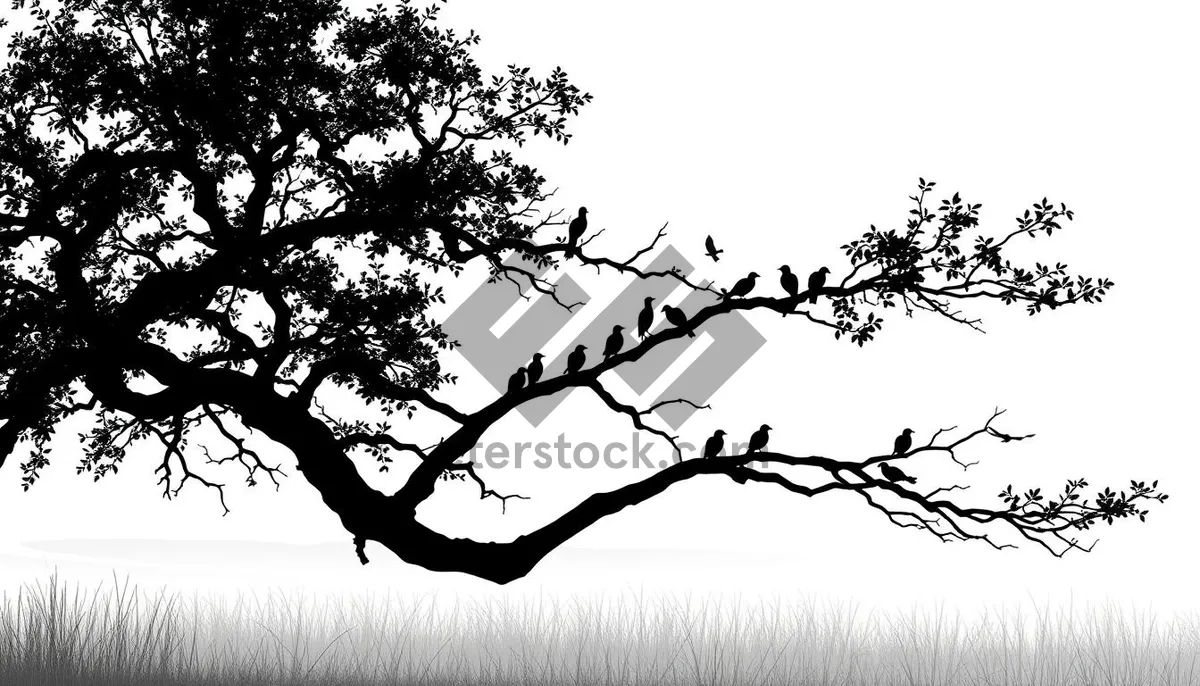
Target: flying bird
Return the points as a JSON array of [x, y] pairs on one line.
[[576, 359], [645, 318], [575, 231], [894, 474], [715, 444], [816, 280], [615, 340], [677, 318], [535, 369], [903, 442], [517, 381], [742, 287], [711, 248], [758, 439]]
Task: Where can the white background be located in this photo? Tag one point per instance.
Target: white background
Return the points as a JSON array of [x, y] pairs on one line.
[[784, 130]]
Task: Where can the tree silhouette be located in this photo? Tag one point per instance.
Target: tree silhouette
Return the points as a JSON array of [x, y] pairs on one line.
[[184, 183]]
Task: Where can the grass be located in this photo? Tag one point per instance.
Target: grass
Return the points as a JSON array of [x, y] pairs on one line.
[[55, 633]]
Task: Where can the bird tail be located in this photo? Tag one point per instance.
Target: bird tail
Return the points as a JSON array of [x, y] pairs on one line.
[[812, 299], [714, 255], [691, 335], [911, 480]]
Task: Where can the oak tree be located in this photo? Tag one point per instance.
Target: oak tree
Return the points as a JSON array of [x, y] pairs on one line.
[[183, 182]]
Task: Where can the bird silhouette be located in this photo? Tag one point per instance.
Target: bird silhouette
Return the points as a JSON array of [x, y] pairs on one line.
[[715, 444], [677, 318], [816, 280], [742, 287], [576, 359], [894, 474], [711, 248], [575, 231], [758, 439], [645, 318], [615, 340], [535, 368], [903, 442], [790, 283], [517, 381]]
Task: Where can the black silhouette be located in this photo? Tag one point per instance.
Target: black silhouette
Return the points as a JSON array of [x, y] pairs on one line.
[[97, 259], [535, 368], [758, 439], [816, 281], [645, 318], [789, 281], [677, 318], [576, 359], [616, 339], [743, 287], [894, 474], [715, 444], [517, 381], [711, 249], [575, 231], [903, 442]]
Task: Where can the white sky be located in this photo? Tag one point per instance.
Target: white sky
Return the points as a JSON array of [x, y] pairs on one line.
[[784, 130]]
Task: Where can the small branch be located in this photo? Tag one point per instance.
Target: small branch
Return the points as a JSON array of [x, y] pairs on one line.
[[636, 415], [484, 492]]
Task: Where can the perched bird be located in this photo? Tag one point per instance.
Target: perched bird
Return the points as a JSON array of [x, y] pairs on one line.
[[715, 444], [517, 381], [789, 281], [758, 439], [903, 442], [575, 231], [894, 474], [676, 317], [742, 287], [615, 340], [816, 280], [535, 369], [645, 318], [711, 248], [576, 359]]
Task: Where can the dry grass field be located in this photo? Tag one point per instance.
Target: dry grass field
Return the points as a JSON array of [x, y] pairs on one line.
[[52, 632]]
